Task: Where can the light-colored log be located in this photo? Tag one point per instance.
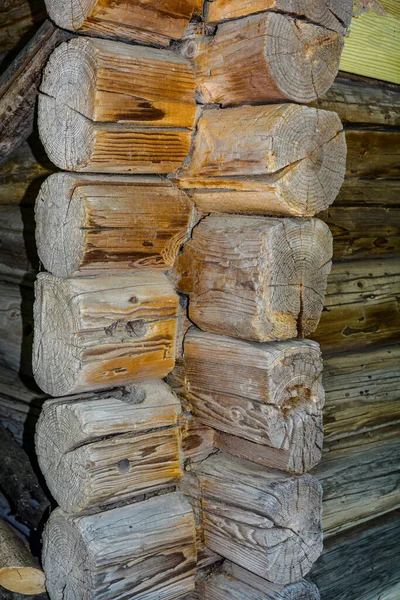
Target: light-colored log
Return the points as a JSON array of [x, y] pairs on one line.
[[153, 21], [272, 288], [281, 159], [18, 571], [266, 521], [235, 583], [268, 394], [144, 550], [93, 333], [333, 14], [112, 107], [16, 327], [267, 57], [101, 449], [95, 225]]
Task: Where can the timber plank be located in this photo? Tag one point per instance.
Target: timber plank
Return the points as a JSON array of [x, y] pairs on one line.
[[373, 154], [369, 192]]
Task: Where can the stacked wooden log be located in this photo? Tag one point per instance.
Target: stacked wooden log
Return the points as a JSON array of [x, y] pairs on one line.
[[152, 490]]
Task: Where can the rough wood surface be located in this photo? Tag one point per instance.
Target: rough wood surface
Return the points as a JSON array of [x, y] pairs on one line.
[[18, 570], [19, 19], [373, 154], [18, 256], [361, 306], [16, 327], [369, 192], [144, 550], [273, 288], [19, 87], [282, 159], [345, 570], [267, 57], [235, 583], [93, 333], [197, 440], [269, 394], [265, 521], [112, 107], [153, 21], [101, 449], [78, 234], [333, 14], [19, 482]]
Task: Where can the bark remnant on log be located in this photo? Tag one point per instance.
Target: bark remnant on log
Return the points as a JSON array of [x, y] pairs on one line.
[[256, 278], [93, 333]]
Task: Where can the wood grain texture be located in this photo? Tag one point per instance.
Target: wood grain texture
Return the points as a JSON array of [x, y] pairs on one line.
[[152, 22], [333, 14], [145, 550], [361, 306], [78, 234], [19, 19], [19, 88], [271, 289], [93, 333], [282, 159], [349, 553], [16, 327], [265, 521], [120, 108], [197, 440], [101, 449], [270, 394], [369, 192], [18, 570], [373, 154], [267, 57], [18, 256]]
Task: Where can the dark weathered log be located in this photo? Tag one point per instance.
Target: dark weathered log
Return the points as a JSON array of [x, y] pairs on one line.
[[361, 306], [153, 21], [78, 234], [19, 482], [346, 569], [18, 570], [282, 159], [19, 87], [145, 550], [93, 333], [100, 449], [272, 289], [112, 107], [267, 57], [369, 192], [16, 327], [268, 394], [19, 19], [373, 154], [333, 14], [235, 583], [18, 256], [265, 521]]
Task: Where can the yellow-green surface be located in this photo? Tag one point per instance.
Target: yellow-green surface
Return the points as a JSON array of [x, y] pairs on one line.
[[372, 48]]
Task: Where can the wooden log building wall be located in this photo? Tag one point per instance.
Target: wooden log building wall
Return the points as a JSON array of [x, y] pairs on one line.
[[194, 470]]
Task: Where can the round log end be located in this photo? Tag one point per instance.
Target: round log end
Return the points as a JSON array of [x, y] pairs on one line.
[[23, 580], [65, 559], [69, 15], [302, 58], [60, 217], [66, 104], [315, 142]]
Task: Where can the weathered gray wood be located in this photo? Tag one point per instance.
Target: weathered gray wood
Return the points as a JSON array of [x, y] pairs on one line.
[[272, 289], [282, 159], [265, 521], [93, 333], [266, 57], [270, 394], [110, 107], [78, 234], [144, 550], [100, 449], [18, 570]]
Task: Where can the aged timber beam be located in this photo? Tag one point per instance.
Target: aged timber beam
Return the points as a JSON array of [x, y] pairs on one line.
[[99, 449], [93, 333], [282, 159], [267, 57], [94, 225], [19, 88], [266, 521], [271, 289], [332, 14], [153, 21], [268, 395], [112, 107], [144, 550]]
